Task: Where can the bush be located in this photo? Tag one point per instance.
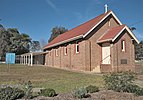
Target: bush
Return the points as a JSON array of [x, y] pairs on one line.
[[136, 90], [122, 81], [92, 89], [48, 92], [28, 90], [10, 93], [80, 93], [119, 81]]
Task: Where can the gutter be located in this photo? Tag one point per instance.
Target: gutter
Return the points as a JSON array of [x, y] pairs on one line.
[[62, 42]]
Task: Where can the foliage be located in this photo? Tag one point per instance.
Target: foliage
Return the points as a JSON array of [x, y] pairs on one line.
[[43, 43], [19, 42], [119, 81], [138, 47], [139, 51], [4, 42], [137, 90], [132, 28], [35, 46], [80, 93], [28, 90], [11, 40], [122, 82], [1, 27], [56, 31], [10, 93], [92, 89], [48, 92]]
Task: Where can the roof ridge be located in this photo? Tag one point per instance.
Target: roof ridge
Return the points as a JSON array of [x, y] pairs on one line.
[[78, 30], [86, 22], [91, 19]]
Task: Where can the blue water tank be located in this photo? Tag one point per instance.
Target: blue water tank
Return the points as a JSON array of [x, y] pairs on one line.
[[10, 58]]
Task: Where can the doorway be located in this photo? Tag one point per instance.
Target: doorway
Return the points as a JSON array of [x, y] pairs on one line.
[[106, 55]]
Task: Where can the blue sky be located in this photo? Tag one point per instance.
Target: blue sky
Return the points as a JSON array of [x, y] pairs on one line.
[[38, 17]]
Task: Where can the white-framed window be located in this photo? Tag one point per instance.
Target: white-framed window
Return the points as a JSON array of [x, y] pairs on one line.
[[65, 51], [123, 45], [77, 48], [56, 52]]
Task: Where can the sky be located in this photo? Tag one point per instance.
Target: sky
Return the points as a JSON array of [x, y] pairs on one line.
[[37, 17]]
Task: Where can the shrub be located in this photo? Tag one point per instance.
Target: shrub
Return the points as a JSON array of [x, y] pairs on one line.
[[139, 91], [28, 90], [122, 81], [80, 93], [48, 92], [10, 93], [92, 89], [119, 81], [136, 90]]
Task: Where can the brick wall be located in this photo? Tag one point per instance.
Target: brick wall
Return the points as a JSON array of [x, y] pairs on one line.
[[72, 60], [57, 57], [90, 53], [96, 52], [119, 55]]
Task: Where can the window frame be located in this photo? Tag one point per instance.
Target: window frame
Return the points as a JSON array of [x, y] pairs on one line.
[[65, 50], [77, 48], [56, 52], [123, 45]]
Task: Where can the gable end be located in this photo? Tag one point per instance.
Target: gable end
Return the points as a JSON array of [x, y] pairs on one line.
[[110, 13]]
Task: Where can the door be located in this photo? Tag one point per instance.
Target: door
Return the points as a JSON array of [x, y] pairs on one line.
[[106, 53]]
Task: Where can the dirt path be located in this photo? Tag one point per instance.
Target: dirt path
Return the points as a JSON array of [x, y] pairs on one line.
[[101, 95]]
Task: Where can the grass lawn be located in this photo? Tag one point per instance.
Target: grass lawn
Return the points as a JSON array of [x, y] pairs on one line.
[[47, 77]]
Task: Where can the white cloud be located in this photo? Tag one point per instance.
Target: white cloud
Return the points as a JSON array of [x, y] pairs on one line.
[[51, 4]]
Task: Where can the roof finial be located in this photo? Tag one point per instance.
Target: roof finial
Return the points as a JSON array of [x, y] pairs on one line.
[[106, 8]]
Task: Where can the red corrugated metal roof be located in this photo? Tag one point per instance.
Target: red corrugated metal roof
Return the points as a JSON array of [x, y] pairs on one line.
[[77, 31], [111, 34]]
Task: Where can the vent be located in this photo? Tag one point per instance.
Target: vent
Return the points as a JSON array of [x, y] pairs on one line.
[[123, 61]]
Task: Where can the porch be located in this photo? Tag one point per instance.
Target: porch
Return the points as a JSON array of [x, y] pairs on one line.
[[33, 58]]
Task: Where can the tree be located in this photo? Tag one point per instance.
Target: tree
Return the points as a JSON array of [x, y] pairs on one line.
[[139, 51], [11, 40], [19, 42], [138, 47], [132, 28], [4, 42], [35, 46], [1, 27], [56, 31], [42, 43]]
